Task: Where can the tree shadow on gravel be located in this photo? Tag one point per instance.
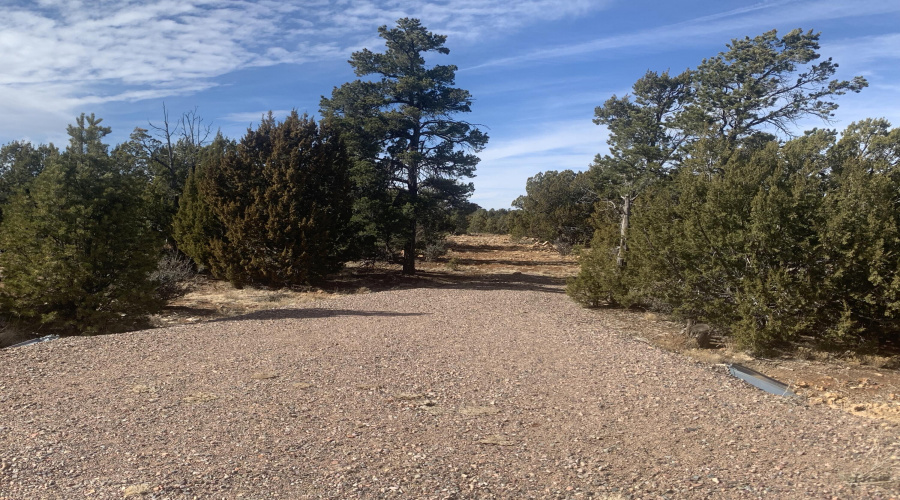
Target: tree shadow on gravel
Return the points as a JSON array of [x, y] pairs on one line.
[[310, 313], [509, 262], [391, 280], [202, 312], [514, 281], [462, 247]]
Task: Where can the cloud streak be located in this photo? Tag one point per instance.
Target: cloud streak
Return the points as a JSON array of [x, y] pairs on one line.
[[89, 51], [863, 50], [515, 155], [254, 116], [579, 138], [695, 30]]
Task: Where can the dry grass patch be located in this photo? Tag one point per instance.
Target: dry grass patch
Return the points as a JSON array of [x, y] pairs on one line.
[[408, 396], [883, 470], [877, 361], [469, 257], [136, 490], [214, 299], [200, 397], [712, 357]]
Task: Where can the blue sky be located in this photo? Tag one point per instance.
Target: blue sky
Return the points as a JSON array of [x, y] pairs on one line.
[[537, 68]]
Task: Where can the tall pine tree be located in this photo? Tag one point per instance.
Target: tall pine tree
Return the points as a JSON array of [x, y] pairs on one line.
[[410, 148]]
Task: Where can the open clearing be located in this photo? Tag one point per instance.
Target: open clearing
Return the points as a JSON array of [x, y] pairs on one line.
[[483, 380]]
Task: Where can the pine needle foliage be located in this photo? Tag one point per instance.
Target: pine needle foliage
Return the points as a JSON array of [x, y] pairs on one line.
[[77, 248], [772, 242], [556, 207], [411, 151], [195, 225], [282, 202], [769, 240], [20, 164]]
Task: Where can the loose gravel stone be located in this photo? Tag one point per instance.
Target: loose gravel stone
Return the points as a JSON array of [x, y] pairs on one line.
[[500, 390]]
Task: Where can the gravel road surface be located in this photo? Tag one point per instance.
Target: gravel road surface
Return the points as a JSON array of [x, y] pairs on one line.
[[501, 389]]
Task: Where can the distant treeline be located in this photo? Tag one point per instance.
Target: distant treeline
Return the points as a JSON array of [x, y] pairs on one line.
[[493, 221], [701, 211], [89, 234]]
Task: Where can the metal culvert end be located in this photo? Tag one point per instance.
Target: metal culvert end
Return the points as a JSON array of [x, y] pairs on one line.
[[760, 381]]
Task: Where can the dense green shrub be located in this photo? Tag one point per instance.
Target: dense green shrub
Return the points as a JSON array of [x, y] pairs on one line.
[[77, 248], [195, 225], [435, 250], [721, 222], [557, 206], [599, 281], [20, 164], [769, 241], [493, 221], [275, 209]]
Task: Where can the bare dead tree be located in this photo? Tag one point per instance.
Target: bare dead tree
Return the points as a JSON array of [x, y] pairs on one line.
[[189, 132]]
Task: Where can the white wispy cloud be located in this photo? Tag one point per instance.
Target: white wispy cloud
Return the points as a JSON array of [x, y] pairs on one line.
[[863, 50], [696, 30], [253, 116], [515, 155], [471, 19], [171, 44], [575, 138], [60, 56]]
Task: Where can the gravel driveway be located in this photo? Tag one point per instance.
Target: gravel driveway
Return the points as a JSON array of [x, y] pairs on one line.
[[490, 389]]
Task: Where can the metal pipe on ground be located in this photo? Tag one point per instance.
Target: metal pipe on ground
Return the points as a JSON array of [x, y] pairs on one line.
[[760, 381]]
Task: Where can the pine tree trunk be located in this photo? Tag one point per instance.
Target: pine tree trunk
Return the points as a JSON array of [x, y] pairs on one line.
[[623, 232], [409, 253], [412, 183]]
